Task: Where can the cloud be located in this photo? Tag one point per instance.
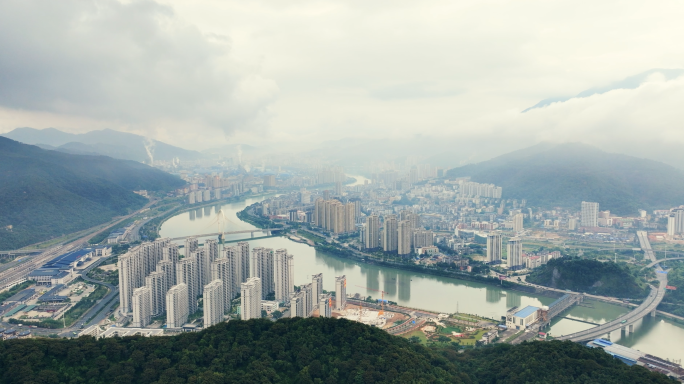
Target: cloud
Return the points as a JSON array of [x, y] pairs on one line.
[[134, 64]]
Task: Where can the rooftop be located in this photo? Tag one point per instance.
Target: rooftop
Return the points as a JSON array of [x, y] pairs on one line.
[[526, 311]]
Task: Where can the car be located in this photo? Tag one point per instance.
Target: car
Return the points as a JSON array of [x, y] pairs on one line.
[[623, 321]]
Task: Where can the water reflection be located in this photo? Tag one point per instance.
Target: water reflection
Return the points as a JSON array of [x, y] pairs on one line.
[[513, 299], [192, 215], [404, 287], [390, 281], [198, 213], [207, 211], [493, 294], [372, 278]]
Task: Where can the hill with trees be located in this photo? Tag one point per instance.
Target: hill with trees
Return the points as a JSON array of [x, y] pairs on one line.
[[46, 194], [589, 276], [314, 350], [551, 175]]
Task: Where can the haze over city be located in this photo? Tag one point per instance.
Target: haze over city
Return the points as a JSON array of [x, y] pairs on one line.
[[342, 191]]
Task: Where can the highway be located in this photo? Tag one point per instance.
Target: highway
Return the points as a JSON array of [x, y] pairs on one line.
[[646, 245], [649, 305]]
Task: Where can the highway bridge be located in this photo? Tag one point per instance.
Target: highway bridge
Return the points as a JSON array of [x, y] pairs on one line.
[[627, 320], [267, 231], [646, 245]]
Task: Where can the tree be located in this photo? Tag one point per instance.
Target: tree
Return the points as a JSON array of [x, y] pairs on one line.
[[277, 314], [414, 339], [264, 313], [443, 339]]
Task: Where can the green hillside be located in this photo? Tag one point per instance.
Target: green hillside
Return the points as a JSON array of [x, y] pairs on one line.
[[590, 276], [314, 350], [564, 175], [46, 194]]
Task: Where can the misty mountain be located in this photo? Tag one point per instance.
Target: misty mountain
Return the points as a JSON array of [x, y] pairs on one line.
[[107, 142], [48, 193], [549, 175]]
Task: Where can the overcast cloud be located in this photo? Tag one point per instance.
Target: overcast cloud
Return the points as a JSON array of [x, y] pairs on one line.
[[301, 72]]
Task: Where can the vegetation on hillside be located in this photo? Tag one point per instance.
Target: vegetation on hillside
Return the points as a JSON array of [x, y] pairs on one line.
[[314, 350], [47, 194], [673, 302], [590, 276], [564, 175]]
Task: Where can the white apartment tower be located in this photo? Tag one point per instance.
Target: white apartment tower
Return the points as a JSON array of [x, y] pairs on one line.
[[514, 249], [187, 273], [214, 306], [251, 299], [340, 292], [177, 306], [156, 282], [324, 305], [222, 270], [243, 261], [142, 308], [372, 232], [281, 273], [518, 222], [316, 288], [590, 212], [297, 305], [135, 266], [306, 292], [389, 234], [405, 233], [261, 266], [494, 247]]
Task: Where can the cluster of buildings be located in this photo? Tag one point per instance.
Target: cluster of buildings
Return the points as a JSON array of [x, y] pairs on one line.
[[156, 280], [61, 269]]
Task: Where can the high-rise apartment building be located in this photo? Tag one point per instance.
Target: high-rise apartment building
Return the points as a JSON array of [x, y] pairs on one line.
[[213, 303], [679, 220], [134, 266], [350, 217], [422, 238], [250, 299], [518, 222], [222, 270], [269, 181], [372, 237], [324, 305], [338, 188], [319, 212], [306, 291], [156, 282], [671, 226], [187, 273], [177, 306], [590, 213], [572, 224], [316, 288], [261, 266], [242, 262], [298, 305], [389, 234], [191, 245], [515, 250], [211, 253], [494, 247], [284, 287], [142, 308], [340, 292], [404, 232]]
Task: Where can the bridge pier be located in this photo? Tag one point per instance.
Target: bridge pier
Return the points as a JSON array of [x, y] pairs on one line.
[[624, 329], [653, 313], [252, 234], [631, 328]]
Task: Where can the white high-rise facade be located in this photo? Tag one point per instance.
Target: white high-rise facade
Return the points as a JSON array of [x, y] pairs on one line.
[[316, 288], [213, 303], [372, 235], [156, 282], [142, 308], [222, 270], [404, 234], [281, 274], [518, 222], [134, 266], [261, 266], [251, 299], [187, 273], [514, 249], [494, 247], [325, 305], [590, 212], [389, 234], [340, 292], [177, 306]]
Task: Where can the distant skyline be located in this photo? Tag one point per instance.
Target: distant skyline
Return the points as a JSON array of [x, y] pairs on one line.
[[209, 73]]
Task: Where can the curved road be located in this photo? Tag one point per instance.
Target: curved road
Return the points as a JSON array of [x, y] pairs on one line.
[[649, 305]]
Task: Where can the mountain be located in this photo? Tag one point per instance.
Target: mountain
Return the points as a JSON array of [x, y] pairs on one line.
[[590, 276], [108, 142], [549, 175], [48, 193], [312, 350]]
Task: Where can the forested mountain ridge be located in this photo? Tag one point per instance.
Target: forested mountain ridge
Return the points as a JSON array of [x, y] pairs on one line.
[[590, 276], [48, 193], [313, 350], [564, 175]]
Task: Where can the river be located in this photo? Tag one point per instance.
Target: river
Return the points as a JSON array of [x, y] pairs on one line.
[[425, 291]]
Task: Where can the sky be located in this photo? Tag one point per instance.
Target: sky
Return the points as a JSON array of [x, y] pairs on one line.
[[206, 73]]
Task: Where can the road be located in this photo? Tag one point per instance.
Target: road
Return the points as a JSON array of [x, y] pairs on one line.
[[106, 302], [646, 245], [649, 305]]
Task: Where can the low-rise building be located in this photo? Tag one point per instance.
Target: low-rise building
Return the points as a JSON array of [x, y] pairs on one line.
[[489, 337], [521, 319]]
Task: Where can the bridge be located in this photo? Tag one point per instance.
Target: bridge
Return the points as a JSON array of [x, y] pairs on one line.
[[649, 305], [267, 231], [646, 245], [627, 320]]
